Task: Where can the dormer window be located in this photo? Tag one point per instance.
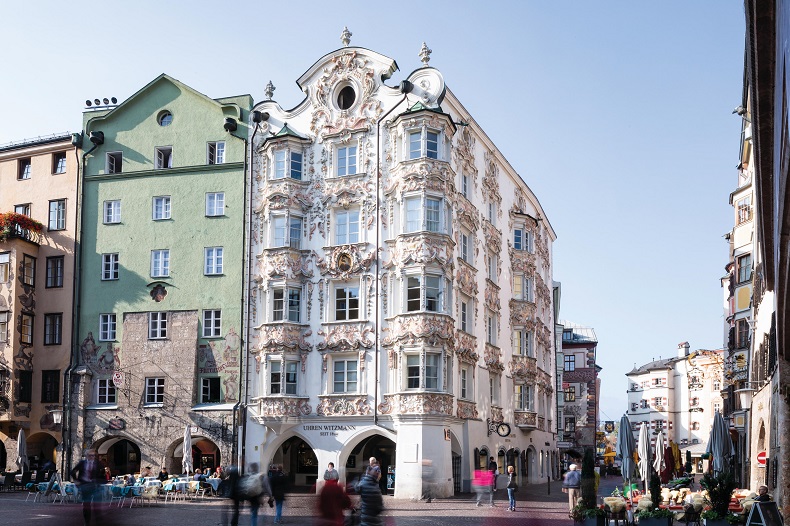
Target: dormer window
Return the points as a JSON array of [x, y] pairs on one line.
[[288, 163]]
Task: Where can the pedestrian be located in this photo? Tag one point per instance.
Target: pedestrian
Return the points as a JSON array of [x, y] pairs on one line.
[[251, 487], [427, 480], [482, 486], [331, 473], [372, 504], [494, 469], [88, 474], [279, 484], [332, 501], [571, 484], [512, 487]]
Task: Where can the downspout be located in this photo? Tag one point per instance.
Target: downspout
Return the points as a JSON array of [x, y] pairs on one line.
[[66, 432], [405, 88]]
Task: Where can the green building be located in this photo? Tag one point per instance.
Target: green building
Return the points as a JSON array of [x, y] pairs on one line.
[[159, 327]]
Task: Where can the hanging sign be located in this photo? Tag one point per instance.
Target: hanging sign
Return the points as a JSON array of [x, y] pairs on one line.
[[117, 379]]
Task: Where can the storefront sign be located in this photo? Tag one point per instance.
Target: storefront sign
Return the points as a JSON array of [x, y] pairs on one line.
[[116, 424], [328, 430]]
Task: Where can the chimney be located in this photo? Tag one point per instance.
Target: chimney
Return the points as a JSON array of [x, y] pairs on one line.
[[683, 349]]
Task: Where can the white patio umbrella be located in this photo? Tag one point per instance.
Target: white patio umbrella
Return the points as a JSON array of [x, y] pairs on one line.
[[626, 445], [21, 451], [720, 444], [643, 449], [186, 462], [658, 463]]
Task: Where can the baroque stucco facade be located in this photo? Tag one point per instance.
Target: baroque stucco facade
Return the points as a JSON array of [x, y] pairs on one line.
[[387, 235]]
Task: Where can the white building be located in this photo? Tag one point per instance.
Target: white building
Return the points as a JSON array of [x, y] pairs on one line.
[[678, 396], [407, 316]]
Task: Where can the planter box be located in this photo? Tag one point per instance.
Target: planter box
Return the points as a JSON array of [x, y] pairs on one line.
[[597, 521], [715, 522], [667, 521]]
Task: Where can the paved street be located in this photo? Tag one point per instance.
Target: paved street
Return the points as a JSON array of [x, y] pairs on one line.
[[535, 507]]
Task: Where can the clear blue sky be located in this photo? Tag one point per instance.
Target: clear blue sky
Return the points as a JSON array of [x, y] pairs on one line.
[[617, 114]]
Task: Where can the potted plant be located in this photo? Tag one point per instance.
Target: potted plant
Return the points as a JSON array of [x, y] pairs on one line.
[[588, 516], [19, 224], [587, 512], [655, 517], [719, 488]]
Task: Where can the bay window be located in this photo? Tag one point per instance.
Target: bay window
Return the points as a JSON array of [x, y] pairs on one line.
[[522, 343], [283, 376], [346, 227], [426, 213], [524, 398], [427, 292], [344, 375], [522, 287], [423, 143], [286, 304], [286, 231], [423, 370], [287, 163]]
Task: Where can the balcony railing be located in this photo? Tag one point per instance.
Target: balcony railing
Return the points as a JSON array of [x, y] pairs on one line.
[[19, 226]]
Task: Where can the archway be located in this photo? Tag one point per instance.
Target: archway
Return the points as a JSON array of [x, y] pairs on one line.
[[3, 456], [299, 462], [205, 454], [40, 449], [531, 475], [482, 458], [119, 454], [380, 447]]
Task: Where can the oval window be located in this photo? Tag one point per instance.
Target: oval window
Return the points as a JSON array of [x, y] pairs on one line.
[[165, 118], [346, 98]]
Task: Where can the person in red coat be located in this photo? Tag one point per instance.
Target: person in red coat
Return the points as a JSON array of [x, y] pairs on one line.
[[331, 503]]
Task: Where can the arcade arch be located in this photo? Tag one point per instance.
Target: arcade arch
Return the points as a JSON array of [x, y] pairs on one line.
[[205, 454], [119, 454]]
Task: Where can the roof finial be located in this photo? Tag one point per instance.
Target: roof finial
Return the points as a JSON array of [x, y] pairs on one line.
[[269, 91], [345, 36], [425, 54]]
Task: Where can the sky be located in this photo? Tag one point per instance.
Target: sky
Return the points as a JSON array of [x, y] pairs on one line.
[[618, 115]]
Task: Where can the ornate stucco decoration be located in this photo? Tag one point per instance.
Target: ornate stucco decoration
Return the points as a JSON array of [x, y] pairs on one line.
[[522, 314], [493, 237], [421, 248], [431, 329], [281, 336], [283, 406], [417, 403], [466, 410], [491, 179], [283, 194], [465, 345], [345, 261], [521, 261], [542, 248], [464, 154], [285, 262], [491, 297], [544, 382], [466, 281], [525, 418], [346, 337], [423, 174], [492, 356], [343, 406], [524, 369], [541, 423], [496, 414], [99, 361], [542, 292]]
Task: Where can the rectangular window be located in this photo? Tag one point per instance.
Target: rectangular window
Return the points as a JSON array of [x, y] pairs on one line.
[[157, 325], [744, 209], [212, 323], [413, 371], [294, 305], [465, 185], [493, 386], [50, 387], [432, 214], [570, 394], [209, 390], [164, 157], [296, 166], [413, 293], [491, 329], [112, 212], [285, 160], [22, 209], [492, 213], [523, 396], [107, 327], [161, 208], [465, 316], [213, 260], [25, 386], [344, 376], [114, 162], [522, 343], [53, 328], [4, 326], [160, 263], [347, 303], [413, 214], [492, 268], [347, 227], [215, 204], [26, 328], [283, 384], [279, 165], [744, 268], [5, 267], [742, 333], [431, 370], [295, 232], [433, 293], [570, 362], [55, 269], [59, 163], [278, 224], [109, 267], [275, 378], [347, 161], [29, 270], [105, 394], [518, 239], [465, 247], [415, 145], [643, 404], [57, 215], [216, 152], [570, 424], [433, 301], [522, 288], [432, 145], [23, 172], [464, 382], [154, 391]]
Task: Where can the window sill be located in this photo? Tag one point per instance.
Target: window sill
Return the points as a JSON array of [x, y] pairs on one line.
[[99, 407], [114, 340], [113, 223], [213, 406], [160, 277], [153, 406], [216, 215], [217, 275]]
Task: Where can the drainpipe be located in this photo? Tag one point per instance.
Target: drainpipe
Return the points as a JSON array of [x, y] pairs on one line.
[[405, 88], [66, 431]]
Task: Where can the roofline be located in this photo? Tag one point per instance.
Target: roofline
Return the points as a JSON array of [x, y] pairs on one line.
[[312, 68], [38, 141]]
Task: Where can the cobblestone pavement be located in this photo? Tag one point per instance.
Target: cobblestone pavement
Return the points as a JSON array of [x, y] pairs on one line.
[[534, 507]]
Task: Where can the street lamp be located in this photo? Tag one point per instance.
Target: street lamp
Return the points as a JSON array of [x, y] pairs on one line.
[[745, 395], [57, 416]]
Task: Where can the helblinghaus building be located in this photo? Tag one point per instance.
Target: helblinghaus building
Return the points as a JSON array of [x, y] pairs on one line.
[[399, 284]]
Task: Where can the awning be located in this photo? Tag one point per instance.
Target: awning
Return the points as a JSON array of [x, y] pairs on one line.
[[697, 450]]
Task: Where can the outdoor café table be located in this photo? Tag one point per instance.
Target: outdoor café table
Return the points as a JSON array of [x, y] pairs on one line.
[[153, 482], [214, 483], [181, 485]]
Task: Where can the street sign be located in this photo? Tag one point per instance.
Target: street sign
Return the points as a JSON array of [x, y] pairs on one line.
[[564, 444], [761, 457]]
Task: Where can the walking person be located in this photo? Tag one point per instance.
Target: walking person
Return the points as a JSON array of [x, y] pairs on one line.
[[571, 484], [332, 501], [482, 486], [512, 487], [372, 504], [88, 474], [494, 469], [279, 485], [251, 487]]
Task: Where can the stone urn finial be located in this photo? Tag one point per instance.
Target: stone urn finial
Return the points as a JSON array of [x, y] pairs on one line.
[[425, 54], [269, 91], [345, 36]]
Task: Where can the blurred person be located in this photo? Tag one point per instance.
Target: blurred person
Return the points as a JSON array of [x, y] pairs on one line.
[[332, 501], [331, 473], [251, 488], [88, 475], [147, 472], [482, 486], [130, 480], [512, 487], [371, 502], [427, 480], [494, 469], [279, 484], [107, 474], [571, 485]]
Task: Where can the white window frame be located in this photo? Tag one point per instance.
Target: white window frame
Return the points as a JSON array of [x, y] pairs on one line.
[[493, 268], [524, 398], [287, 304], [288, 380], [465, 383], [212, 323], [491, 328], [205, 389], [345, 313], [157, 325], [213, 259], [160, 263], [108, 327], [743, 210], [109, 267], [284, 161], [347, 226], [523, 343], [215, 204], [442, 289], [57, 217], [344, 167], [417, 217], [466, 247], [425, 367], [114, 162], [284, 228], [160, 208], [424, 136], [106, 393], [494, 383], [154, 391], [465, 317], [522, 288], [345, 379], [464, 184], [163, 157], [522, 239], [5, 266], [492, 212], [112, 212], [215, 152], [4, 326]]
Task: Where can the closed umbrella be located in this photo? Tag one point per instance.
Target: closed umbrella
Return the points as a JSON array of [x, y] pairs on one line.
[[625, 448], [658, 462], [643, 448], [21, 450], [186, 462], [720, 444]]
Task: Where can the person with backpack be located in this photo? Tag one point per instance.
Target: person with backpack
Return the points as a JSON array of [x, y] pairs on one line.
[[279, 484], [372, 504], [250, 487]]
